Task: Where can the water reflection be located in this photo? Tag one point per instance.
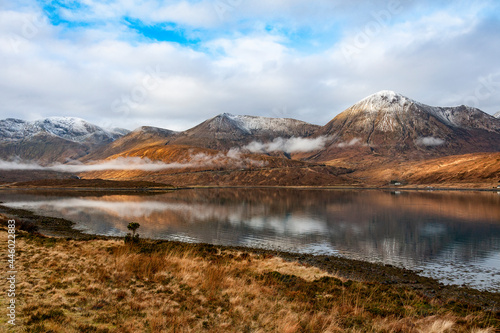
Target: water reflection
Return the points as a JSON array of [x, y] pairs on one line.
[[442, 233]]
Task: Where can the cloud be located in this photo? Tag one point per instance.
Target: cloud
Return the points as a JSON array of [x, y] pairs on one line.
[[9, 165], [430, 141], [233, 158], [130, 163], [268, 58], [353, 142], [292, 145]]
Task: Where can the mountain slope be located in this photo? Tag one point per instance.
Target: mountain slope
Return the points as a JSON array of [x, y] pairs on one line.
[[476, 169], [392, 125], [497, 115], [226, 131], [469, 168], [141, 137], [54, 139], [195, 166]]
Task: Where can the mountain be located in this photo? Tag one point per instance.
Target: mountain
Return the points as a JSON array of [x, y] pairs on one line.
[[69, 128], [383, 137], [226, 131], [141, 137], [54, 139], [497, 115], [392, 125]]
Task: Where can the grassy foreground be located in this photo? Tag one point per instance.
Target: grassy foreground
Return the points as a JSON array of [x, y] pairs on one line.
[[103, 285]]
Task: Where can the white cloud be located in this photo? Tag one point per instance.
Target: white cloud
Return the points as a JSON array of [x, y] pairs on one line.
[[430, 141], [8, 165], [292, 145], [353, 142], [259, 59], [133, 163]]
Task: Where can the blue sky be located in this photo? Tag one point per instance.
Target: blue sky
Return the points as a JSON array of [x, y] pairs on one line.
[[174, 64]]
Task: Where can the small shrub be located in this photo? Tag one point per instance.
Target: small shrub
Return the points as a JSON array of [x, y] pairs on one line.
[[132, 238], [133, 226]]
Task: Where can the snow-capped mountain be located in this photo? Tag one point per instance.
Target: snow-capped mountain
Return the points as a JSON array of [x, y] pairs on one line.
[[390, 123], [497, 115], [391, 105], [68, 128], [253, 124], [54, 139], [226, 131], [383, 124]]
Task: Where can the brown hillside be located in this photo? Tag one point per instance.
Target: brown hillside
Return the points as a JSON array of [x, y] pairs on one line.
[[196, 158], [141, 137], [285, 176], [200, 166], [481, 169], [469, 168]]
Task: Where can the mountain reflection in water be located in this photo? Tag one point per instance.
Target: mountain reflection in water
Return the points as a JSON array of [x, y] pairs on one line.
[[453, 236]]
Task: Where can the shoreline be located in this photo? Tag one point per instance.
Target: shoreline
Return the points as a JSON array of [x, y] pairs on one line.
[[361, 271], [427, 188], [106, 285]]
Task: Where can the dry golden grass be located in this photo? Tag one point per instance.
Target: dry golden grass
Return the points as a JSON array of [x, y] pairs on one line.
[[476, 170], [107, 286]]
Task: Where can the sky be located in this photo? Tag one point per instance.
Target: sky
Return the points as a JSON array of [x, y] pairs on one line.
[[174, 64]]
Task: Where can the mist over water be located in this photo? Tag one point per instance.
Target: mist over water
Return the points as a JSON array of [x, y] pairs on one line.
[[452, 236]]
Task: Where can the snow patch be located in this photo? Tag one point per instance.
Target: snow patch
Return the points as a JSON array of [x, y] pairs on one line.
[[497, 115]]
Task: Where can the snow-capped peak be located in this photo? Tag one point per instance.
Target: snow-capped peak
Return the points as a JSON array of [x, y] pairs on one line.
[[384, 106], [386, 94], [497, 115], [386, 100]]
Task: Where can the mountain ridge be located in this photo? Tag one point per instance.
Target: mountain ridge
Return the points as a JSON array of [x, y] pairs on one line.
[[69, 128], [226, 131], [53, 139], [383, 124], [391, 124]]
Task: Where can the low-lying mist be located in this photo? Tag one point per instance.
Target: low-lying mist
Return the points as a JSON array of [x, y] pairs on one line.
[[232, 158], [292, 145]]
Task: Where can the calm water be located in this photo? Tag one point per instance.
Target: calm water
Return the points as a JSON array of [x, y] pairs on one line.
[[452, 236]]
